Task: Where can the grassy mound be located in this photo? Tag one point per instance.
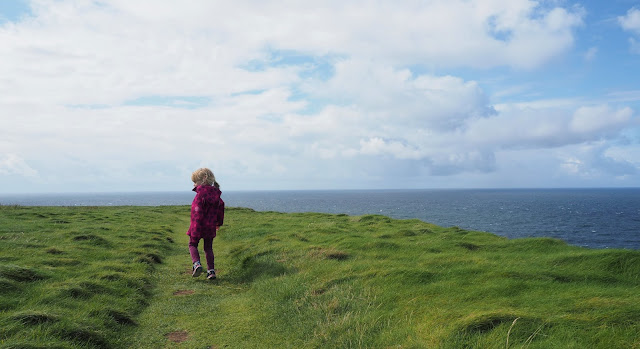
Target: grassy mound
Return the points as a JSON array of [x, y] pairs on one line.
[[112, 277], [78, 277]]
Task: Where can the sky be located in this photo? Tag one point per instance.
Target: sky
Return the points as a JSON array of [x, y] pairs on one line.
[[127, 96]]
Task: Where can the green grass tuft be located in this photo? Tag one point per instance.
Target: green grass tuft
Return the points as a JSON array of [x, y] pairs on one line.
[[21, 274], [34, 317]]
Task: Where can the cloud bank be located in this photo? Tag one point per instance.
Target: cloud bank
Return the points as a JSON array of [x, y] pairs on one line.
[[134, 95]]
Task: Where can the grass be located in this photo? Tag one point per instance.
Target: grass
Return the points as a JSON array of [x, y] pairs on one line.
[[78, 277], [119, 277]]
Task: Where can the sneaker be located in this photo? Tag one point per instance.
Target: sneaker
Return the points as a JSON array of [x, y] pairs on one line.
[[197, 269], [211, 274]]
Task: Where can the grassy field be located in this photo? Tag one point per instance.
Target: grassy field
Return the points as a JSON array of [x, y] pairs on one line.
[[119, 277]]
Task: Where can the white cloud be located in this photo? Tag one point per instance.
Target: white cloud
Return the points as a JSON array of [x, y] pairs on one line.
[[515, 126], [573, 165], [591, 53], [76, 52], [595, 161], [397, 149], [12, 164], [448, 123], [90, 53], [599, 120], [624, 153], [394, 96], [631, 22]]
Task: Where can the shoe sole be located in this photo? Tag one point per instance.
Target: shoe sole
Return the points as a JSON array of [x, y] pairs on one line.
[[197, 271]]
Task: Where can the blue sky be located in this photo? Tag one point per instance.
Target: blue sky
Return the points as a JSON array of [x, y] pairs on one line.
[[134, 95]]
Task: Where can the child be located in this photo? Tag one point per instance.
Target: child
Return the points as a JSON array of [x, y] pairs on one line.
[[207, 215]]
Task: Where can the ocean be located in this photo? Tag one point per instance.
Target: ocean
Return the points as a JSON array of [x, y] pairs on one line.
[[593, 218]]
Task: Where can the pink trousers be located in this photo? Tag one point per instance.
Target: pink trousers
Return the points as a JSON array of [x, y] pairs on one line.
[[208, 250]]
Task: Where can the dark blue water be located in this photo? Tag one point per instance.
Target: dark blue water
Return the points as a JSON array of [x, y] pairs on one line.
[[595, 218]]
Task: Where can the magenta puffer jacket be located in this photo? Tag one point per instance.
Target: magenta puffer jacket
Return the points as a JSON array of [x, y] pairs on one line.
[[207, 212]]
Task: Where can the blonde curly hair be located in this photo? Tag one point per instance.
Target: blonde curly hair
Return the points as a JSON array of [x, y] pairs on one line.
[[204, 175]]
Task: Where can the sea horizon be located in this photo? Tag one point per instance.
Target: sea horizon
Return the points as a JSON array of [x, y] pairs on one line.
[[310, 190]]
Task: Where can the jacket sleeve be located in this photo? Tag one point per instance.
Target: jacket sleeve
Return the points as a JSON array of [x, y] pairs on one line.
[[220, 213], [196, 216]]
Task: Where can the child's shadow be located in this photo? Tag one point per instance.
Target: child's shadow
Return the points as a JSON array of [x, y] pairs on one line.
[[251, 268]]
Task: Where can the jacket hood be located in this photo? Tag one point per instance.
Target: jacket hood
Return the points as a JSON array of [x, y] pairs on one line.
[[207, 190]]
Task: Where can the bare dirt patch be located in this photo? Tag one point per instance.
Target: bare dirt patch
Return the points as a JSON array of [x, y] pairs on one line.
[[318, 292], [329, 253], [183, 292], [178, 336]]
